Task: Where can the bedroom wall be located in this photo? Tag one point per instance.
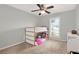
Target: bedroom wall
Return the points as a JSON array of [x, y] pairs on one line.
[[77, 17], [12, 24], [67, 22]]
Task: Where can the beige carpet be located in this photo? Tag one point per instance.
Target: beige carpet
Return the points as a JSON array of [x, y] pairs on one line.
[[16, 48], [49, 47]]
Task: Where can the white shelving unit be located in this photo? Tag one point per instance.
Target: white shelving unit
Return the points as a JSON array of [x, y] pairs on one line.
[[31, 33]]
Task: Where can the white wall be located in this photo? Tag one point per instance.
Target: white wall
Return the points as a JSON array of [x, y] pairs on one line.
[[77, 17], [11, 18], [12, 37], [12, 24], [67, 21]]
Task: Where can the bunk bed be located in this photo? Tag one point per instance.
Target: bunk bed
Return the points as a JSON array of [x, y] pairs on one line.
[[32, 32]]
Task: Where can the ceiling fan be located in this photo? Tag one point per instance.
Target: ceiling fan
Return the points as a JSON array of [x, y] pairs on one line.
[[43, 9]]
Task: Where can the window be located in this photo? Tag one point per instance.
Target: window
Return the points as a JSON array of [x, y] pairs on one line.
[[55, 27]]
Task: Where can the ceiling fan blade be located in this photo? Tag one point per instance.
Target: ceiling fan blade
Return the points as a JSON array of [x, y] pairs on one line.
[[50, 7], [39, 6], [35, 10], [39, 13], [47, 11]]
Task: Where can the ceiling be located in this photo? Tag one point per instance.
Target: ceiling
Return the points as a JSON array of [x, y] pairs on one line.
[[57, 8]]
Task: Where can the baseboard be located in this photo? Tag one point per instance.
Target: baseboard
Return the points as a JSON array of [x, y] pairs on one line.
[[64, 40], [11, 45], [58, 39]]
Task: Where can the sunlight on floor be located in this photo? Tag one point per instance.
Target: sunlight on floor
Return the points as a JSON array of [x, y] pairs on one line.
[[52, 44]]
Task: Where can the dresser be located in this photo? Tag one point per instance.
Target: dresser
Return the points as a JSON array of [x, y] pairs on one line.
[[72, 42]]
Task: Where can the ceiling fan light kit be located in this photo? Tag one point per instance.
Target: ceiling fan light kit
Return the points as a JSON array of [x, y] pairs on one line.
[[43, 9]]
